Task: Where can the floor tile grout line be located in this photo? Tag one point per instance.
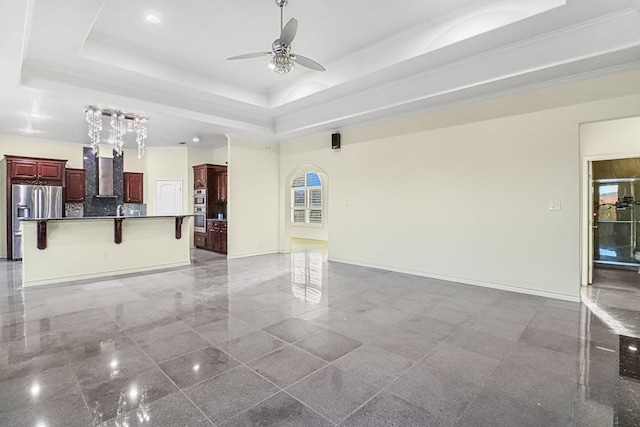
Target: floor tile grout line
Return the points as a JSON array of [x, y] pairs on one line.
[[174, 384], [446, 340], [385, 388]]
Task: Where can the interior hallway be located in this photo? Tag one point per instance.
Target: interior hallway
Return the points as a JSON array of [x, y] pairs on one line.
[[291, 339]]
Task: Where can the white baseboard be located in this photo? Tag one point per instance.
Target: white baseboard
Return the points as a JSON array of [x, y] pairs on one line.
[[247, 255], [499, 286]]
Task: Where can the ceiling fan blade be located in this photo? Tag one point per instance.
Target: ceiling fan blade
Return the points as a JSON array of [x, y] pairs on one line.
[[289, 31], [306, 62], [250, 55]]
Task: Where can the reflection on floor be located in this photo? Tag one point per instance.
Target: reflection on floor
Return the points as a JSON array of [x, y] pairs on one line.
[[296, 340], [615, 298]]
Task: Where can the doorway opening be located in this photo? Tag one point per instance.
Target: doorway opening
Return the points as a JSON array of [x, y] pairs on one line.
[[306, 213], [616, 212], [615, 247]]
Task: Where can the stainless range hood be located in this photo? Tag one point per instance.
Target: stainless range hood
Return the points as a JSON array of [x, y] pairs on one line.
[[105, 177]]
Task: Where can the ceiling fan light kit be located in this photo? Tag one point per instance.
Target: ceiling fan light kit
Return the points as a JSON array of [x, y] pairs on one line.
[[282, 60]]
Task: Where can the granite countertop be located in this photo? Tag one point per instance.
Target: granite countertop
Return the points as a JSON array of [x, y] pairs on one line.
[[80, 218]]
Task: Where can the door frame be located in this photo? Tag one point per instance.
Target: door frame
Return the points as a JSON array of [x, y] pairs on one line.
[[586, 212]]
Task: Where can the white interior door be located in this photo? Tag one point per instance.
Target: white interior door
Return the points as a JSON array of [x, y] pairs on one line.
[[168, 197]]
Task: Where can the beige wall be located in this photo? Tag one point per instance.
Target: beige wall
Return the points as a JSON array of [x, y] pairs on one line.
[[220, 156], [252, 209], [467, 201], [166, 163]]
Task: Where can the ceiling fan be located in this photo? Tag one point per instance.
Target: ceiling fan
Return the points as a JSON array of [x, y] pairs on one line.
[[282, 60]]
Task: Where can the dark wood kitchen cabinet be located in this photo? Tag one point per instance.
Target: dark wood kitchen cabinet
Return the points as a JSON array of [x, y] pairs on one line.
[[200, 240], [133, 187], [203, 176], [74, 191], [213, 180], [223, 239], [211, 235], [24, 170], [217, 236], [221, 185], [30, 171]]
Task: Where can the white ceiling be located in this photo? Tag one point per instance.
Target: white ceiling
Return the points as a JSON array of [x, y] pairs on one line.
[[384, 59]]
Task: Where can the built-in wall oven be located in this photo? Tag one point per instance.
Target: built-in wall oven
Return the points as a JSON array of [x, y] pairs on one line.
[[200, 211], [200, 197], [200, 219]]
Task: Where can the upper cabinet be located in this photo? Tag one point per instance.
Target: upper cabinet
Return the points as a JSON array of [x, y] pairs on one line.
[[200, 175], [75, 185], [133, 187], [221, 185], [47, 171]]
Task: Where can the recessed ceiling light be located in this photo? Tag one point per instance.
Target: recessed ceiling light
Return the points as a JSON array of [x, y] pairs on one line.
[[196, 139], [153, 18]]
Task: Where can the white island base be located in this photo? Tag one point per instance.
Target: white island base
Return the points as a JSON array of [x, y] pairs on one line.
[[86, 248]]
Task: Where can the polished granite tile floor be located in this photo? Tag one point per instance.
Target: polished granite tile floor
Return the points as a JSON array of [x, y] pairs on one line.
[[615, 298], [294, 340]]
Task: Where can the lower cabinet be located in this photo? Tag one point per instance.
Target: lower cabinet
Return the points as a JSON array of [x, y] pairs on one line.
[[200, 240], [211, 235], [216, 236]]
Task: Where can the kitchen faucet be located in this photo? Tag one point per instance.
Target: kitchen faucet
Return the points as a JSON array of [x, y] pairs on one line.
[[120, 210]]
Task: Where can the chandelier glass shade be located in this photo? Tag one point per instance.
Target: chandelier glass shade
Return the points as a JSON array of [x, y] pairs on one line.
[[281, 64], [119, 121]]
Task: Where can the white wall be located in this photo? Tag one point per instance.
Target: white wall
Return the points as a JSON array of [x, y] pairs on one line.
[[253, 198], [618, 138], [467, 201]]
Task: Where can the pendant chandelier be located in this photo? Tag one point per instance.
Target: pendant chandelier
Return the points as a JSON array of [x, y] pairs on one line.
[[120, 123]]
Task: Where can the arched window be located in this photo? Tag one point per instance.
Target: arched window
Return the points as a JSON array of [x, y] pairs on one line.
[[306, 199]]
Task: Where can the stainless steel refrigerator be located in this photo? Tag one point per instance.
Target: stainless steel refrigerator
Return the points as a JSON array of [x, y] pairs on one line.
[[32, 201]]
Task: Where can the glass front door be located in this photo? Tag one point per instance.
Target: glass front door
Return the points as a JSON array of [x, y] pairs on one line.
[[616, 216]]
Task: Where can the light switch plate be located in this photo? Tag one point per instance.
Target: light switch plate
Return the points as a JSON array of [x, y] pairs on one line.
[[555, 206]]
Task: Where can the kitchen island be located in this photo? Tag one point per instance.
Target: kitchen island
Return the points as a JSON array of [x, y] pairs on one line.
[[67, 249]]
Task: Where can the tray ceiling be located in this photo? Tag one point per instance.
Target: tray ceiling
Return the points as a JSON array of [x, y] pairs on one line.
[[384, 59]]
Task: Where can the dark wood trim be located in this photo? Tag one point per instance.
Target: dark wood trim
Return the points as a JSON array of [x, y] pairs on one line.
[[42, 234], [117, 230], [179, 227]]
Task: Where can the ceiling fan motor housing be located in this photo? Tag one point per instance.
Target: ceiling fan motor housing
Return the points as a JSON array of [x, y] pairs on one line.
[[282, 3], [279, 47]]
